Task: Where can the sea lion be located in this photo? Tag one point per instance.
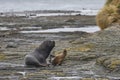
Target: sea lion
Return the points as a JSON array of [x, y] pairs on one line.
[[38, 57], [59, 58]]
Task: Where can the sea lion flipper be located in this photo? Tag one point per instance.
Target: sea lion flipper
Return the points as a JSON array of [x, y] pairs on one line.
[[30, 60]]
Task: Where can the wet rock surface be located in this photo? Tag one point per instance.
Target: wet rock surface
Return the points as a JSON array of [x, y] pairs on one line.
[[91, 56]]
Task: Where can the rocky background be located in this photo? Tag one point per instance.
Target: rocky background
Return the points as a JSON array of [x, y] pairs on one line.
[[91, 56]]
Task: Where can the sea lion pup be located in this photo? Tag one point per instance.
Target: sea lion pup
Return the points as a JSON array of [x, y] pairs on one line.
[[59, 58], [38, 57]]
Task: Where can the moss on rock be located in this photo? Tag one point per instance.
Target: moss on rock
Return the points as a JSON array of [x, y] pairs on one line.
[[2, 57], [111, 63]]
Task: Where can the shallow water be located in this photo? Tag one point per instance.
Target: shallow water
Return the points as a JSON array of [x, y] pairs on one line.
[[82, 12], [9, 77], [20, 5], [89, 29], [68, 78], [3, 28], [2, 65]]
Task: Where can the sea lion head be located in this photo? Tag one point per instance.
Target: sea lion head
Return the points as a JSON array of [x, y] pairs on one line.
[[47, 44]]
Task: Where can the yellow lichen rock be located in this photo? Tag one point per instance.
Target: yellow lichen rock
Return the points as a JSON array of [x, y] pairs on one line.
[[2, 57], [109, 14], [111, 63], [114, 64]]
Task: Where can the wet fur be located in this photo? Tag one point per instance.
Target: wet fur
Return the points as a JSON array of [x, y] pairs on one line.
[[59, 58], [39, 55]]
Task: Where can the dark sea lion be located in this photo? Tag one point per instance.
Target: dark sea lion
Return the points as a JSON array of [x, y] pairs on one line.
[[38, 57]]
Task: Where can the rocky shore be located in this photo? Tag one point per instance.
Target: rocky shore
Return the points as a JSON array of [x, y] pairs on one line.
[[47, 21], [91, 56]]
